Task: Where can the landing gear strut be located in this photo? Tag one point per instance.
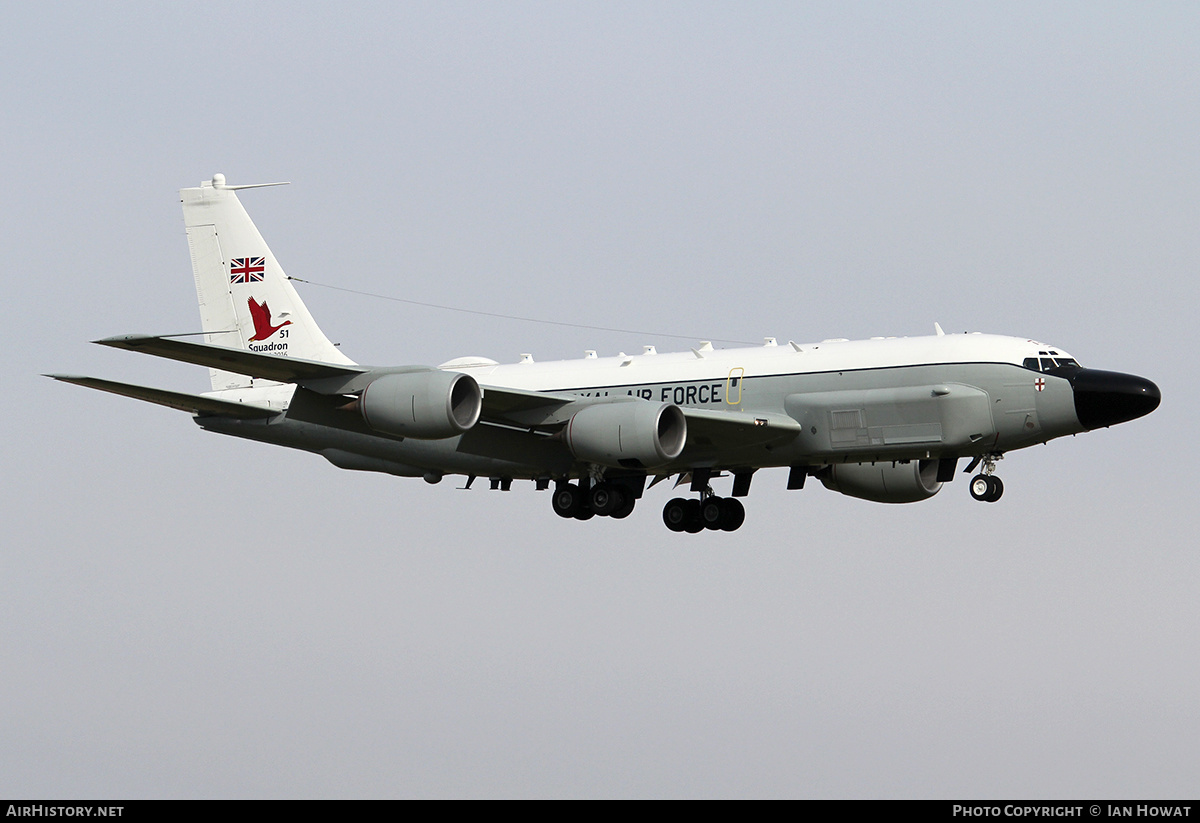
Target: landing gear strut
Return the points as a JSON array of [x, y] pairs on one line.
[[986, 486]]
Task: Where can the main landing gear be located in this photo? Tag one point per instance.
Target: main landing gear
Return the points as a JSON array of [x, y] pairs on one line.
[[584, 501], [712, 512], [986, 486]]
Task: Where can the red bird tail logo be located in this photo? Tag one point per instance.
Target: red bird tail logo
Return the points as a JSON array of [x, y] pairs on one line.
[[261, 315]]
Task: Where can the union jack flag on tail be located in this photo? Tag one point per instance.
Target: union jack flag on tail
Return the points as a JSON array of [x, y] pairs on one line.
[[247, 269]]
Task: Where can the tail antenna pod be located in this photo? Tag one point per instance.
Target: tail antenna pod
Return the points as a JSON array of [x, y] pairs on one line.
[[218, 182]]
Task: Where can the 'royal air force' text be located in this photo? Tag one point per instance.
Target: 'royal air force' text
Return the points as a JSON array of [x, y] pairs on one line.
[[691, 394]]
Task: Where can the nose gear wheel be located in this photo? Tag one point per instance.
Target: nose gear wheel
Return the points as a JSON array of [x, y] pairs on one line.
[[986, 486]]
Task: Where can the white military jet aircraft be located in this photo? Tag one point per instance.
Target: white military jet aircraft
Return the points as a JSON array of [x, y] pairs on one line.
[[883, 419]]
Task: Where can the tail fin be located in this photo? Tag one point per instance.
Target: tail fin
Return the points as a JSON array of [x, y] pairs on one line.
[[246, 301]]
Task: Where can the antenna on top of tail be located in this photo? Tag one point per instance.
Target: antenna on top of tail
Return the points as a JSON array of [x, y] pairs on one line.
[[218, 182]]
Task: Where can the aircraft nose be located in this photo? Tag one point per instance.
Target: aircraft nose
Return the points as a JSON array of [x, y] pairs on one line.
[[1104, 398]]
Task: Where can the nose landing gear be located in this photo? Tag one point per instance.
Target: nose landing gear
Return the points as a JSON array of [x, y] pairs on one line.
[[986, 486]]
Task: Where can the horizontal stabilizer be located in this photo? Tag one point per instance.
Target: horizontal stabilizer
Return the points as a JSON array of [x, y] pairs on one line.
[[176, 400], [241, 361]]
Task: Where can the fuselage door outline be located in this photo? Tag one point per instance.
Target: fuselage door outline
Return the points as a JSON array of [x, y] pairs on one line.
[[733, 386]]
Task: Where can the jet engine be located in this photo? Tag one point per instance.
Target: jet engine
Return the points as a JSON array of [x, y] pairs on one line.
[[883, 482], [425, 405], [627, 435]]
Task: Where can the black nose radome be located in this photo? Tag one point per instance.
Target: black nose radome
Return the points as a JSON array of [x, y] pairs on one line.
[[1103, 398]]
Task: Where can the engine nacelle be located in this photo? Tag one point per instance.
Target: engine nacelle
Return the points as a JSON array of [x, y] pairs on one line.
[[627, 435], [425, 405], [884, 482]]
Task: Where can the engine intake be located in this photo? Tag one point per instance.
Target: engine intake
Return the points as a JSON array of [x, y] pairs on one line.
[[425, 405], [884, 482], [627, 435]]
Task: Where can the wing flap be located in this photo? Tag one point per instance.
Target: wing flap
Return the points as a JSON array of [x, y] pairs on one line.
[[196, 404]]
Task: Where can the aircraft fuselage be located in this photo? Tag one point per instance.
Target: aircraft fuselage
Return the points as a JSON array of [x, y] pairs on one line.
[[898, 399]]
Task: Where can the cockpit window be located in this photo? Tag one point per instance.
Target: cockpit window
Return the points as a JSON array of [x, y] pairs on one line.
[[1045, 364]]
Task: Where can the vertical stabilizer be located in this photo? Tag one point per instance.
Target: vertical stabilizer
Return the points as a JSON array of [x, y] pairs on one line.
[[246, 301]]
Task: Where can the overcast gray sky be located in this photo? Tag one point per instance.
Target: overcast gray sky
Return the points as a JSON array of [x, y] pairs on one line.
[[186, 615]]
